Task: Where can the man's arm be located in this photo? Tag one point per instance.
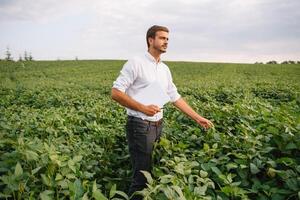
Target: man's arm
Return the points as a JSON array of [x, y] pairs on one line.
[[182, 105], [128, 102]]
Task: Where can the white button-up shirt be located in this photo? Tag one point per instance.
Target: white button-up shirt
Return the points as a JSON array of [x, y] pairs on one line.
[[138, 73]]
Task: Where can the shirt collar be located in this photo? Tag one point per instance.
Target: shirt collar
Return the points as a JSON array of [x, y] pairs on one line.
[[151, 58]]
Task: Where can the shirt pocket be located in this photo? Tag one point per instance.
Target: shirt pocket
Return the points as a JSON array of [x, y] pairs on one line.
[[144, 79], [163, 81]]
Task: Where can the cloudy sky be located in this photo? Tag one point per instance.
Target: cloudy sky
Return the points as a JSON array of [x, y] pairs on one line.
[[200, 30]]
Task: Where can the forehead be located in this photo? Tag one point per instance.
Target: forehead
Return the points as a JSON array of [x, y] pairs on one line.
[[162, 34]]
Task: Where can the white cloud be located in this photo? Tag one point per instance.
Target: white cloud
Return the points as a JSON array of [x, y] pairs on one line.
[[39, 11], [200, 30]]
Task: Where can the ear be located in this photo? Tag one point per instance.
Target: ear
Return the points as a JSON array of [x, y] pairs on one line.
[[150, 40]]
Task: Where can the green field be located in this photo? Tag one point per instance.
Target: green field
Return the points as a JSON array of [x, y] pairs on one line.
[[62, 137]]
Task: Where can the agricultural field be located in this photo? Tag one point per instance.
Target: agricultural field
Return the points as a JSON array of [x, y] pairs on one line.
[[62, 137]]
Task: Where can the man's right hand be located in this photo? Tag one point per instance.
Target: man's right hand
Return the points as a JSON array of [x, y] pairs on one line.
[[128, 102], [151, 110]]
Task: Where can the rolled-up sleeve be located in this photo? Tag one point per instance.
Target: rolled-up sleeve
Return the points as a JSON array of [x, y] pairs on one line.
[[172, 90], [126, 77]]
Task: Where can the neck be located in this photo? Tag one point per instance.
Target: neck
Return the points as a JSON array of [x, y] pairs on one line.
[[155, 54]]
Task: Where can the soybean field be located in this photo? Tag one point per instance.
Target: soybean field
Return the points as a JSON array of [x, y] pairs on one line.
[[62, 137]]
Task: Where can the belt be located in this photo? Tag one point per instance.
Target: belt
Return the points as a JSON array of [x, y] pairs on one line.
[[156, 123]]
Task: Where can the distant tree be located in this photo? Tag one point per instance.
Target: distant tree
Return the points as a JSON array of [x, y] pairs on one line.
[[76, 58], [272, 62], [25, 56], [290, 62], [8, 55], [260, 63], [20, 58], [30, 58]]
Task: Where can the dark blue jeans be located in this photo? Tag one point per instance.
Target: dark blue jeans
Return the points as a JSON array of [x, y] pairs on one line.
[[141, 136]]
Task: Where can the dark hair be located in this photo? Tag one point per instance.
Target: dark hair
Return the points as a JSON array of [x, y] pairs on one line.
[[152, 32]]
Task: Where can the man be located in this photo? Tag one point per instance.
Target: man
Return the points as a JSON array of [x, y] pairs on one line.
[[144, 123]]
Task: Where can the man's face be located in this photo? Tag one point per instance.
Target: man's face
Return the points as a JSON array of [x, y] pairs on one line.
[[160, 42]]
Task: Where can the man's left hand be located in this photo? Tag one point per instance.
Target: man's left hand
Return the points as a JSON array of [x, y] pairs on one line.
[[205, 123]]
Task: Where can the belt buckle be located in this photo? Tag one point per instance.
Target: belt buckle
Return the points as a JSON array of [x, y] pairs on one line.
[[157, 123]]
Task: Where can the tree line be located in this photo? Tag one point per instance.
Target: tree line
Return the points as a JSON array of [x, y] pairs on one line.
[[283, 62], [26, 57]]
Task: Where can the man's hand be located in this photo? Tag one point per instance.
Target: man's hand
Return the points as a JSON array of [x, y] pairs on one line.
[[184, 107], [151, 110], [205, 123], [128, 102]]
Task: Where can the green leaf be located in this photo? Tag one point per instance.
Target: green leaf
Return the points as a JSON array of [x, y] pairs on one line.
[[277, 197], [34, 171], [112, 191], [58, 177], [76, 188], [166, 178], [215, 146], [31, 155], [148, 177], [229, 178], [63, 184], [254, 169], [276, 190], [77, 159], [231, 165], [200, 190], [207, 166], [46, 195], [216, 170], [55, 159], [4, 196], [165, 142], [94, 186], [71, 165], [179, 192], [286, 160], [203, 174], [179, 168], [170, 194], [18, 170], [123, 194], [271, 172], [236, 183], [71, 176], [292, 184], [205, 147], [273, 130], [46, 180], [85, 196], [97, 194]]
